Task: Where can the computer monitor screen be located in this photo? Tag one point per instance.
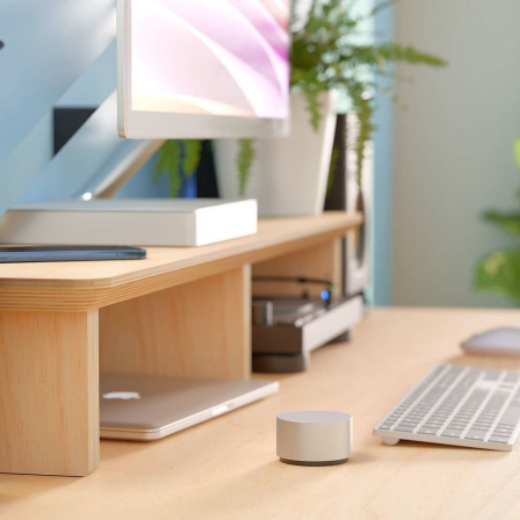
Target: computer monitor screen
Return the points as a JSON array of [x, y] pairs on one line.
[[203, 68]]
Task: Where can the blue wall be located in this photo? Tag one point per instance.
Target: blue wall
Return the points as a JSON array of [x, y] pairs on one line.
[[383, 180], [59, 53]]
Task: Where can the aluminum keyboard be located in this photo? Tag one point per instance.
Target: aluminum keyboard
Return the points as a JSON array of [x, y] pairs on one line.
[[460, 406]]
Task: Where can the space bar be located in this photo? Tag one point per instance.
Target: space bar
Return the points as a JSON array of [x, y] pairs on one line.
[[510, 416]]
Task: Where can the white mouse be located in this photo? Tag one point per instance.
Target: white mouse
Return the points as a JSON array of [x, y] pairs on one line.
[[502, 341]]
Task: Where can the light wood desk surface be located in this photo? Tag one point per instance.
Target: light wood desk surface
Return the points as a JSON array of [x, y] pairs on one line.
[[227, 468]]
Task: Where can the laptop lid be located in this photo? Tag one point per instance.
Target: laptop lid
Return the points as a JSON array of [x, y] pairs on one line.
[[145, 407]]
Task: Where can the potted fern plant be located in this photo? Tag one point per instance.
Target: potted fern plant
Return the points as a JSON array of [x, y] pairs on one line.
[[289, 176]]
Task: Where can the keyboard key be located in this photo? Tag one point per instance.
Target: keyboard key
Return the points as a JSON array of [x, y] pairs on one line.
[[452, 432], [503, 430], [428, 431], [501, 440], [474, 435], [492, 375], [510, 416], [405, 428]]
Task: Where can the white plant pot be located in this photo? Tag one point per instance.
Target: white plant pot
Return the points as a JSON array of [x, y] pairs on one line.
[[289, 175]]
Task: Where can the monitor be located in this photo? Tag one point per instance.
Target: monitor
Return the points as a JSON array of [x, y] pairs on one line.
[[203, 68]]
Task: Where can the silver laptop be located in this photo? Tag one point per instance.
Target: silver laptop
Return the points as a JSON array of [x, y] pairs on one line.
[[145, 408]]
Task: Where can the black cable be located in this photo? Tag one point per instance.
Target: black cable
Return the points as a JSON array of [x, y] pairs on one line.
[[293, 279]]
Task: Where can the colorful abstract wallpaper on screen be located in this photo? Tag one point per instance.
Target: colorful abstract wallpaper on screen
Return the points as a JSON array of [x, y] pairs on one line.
[[219, 57]]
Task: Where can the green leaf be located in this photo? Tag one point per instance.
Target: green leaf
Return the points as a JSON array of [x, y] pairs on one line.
[[500, 272], [364, 107], [508, 222], [192, 154], [314, 107], [245, 159], [169, 161], [517, 152], [393, 51], [334, 158], [179, 159]]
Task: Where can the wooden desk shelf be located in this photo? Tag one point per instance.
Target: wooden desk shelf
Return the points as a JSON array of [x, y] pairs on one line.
[[183, 311]]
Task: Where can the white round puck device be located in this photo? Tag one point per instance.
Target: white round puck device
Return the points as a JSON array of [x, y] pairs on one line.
[[314, 438]]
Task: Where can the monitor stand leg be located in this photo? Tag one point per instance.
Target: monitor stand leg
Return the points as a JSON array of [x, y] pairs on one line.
[[49, 392]]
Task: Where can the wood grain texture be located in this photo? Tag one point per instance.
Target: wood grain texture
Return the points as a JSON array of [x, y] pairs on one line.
[[227, 469], [322, 261], [49, 393], [91, 285], [199, 329]]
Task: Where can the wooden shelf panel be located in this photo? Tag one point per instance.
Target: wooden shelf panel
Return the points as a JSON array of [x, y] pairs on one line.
[[199, 329], [49, 393], [83, 286]]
